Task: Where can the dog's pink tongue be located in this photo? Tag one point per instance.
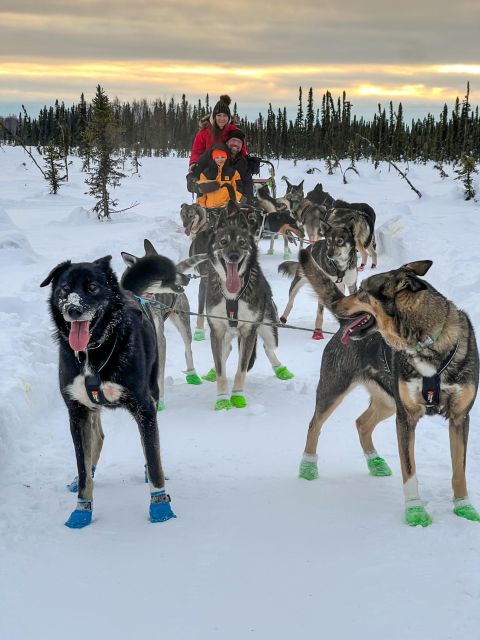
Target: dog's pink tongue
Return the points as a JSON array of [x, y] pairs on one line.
[[188, 230], [79, 335], [233, 279]]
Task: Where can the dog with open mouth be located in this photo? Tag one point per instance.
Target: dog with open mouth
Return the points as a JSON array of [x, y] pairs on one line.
[[108, 358], [238, 301], [416, 354]]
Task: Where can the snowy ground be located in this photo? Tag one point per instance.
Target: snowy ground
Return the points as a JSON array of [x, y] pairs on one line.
[[254, 552]]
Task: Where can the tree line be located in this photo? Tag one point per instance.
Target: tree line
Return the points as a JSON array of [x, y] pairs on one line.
[[328, 131]]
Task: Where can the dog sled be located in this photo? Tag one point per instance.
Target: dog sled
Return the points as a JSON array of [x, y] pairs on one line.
[[255, 165]]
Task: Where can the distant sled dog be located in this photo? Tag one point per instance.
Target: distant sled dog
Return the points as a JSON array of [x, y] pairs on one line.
[[108, 358]]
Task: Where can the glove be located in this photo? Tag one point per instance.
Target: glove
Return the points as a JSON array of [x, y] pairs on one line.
[[209, 186], [192, 186]]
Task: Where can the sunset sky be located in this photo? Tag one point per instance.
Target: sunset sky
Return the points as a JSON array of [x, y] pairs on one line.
[[419, 53]]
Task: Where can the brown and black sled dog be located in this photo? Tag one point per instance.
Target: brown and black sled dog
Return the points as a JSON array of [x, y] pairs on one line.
[[415, 353]]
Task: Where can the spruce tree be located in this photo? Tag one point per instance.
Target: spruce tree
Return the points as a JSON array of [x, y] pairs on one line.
[[54, 163], [103, 135], [465, 173]]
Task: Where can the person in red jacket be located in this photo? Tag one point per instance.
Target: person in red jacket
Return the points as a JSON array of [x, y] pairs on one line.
[[213, 130]]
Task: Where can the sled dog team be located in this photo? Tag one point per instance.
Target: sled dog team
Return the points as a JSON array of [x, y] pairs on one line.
[[411, 348]]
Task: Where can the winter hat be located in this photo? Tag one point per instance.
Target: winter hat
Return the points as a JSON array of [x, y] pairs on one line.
[[219, 153], [222, 106], [235, 133]]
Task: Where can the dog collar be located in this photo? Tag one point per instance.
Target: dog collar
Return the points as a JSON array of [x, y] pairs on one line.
[[429, 340]]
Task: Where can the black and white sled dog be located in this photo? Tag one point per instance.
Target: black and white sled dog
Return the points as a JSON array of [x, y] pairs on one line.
[[279, 220], [108, 358], [194, 218], [238, 301], [336, 255], [157, 280]]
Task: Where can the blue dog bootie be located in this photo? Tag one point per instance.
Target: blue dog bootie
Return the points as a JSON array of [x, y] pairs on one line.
[[160, 509], [82, 516]]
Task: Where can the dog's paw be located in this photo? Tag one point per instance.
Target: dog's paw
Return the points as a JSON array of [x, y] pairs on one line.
[[308, 470], [160, 509], [223, 404], [193, 378], [378, 467], [318, 335], [463, 509], [73, 485], [417, 516], [238, 400], [270, 252], [199, 335], [361, 268], [211, 376], [283, 320], [287, 255], [161, 405], [283, 373], [81, 517]]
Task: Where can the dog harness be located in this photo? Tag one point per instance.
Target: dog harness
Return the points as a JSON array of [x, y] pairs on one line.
[[93, 382], [431, 384], [232, 305]]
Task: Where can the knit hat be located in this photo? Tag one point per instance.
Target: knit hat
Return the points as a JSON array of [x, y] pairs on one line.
[[235, 133], [222, 106], [219, 153]]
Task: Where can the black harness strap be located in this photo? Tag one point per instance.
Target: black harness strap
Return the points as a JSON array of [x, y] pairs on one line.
[[232, 312], [93, 381], [431, 384]]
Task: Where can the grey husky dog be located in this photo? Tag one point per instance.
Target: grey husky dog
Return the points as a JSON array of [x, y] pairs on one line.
[[156, 278], [336, 255], [238, 301], [416, 354]]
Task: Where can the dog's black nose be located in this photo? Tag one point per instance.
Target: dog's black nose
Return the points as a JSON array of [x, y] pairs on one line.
[[234, 257], [74, 312]]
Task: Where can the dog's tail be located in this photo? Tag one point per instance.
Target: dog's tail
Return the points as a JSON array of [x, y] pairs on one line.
[[253, 357], [288, 268], [327, 292]]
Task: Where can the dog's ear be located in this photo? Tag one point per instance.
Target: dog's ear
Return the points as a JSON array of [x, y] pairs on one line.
[[103, 262], [149, 248], [301, 184], [129, 258], [420, 267], [324, 226], [55, 272], [232, 208]]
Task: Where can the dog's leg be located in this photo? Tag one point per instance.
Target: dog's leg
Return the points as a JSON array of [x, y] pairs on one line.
[[364, 255], [182, 323], [83, 430], [331, 391], [372, 250], [271, 251], [220, 343], [248, 338], [287, 254], [145, 415], [270, 343], [162, 355], [318, 333], [408, 414], [297, 284], [381, 407], [459, 424], [199, 333]]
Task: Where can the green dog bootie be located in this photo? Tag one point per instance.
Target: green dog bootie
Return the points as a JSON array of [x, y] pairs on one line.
[[199, 335], [287, 255], [270, 252], [463, 509], [238, 400], [416, 515], [223, 404], [377, 465], [161, 405], [283, 373], [192, 377], [308, 467], [211, 376]]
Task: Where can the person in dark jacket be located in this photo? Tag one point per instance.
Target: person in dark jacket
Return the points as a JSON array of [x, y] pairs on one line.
[[234, 143]]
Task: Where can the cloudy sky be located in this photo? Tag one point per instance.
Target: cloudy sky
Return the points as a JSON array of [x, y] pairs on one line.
[[418, 52]]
